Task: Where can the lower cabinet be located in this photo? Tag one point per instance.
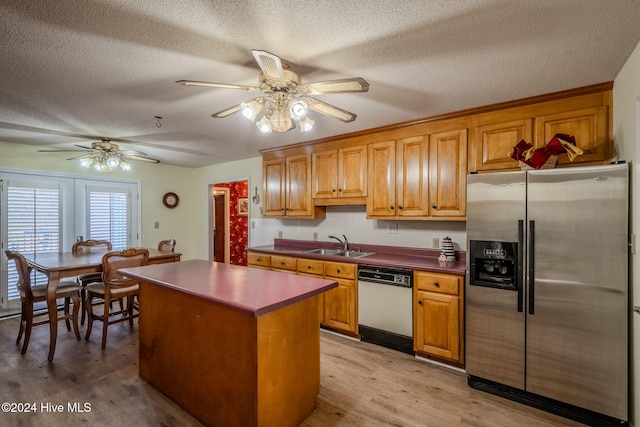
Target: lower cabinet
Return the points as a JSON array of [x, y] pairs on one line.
[[340, 304], [338, 307], [438, 316]]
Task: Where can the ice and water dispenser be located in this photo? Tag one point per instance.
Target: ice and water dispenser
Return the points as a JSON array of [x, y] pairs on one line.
[[494, 264]]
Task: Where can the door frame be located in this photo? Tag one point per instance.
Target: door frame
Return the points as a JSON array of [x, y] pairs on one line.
[[227, 244]]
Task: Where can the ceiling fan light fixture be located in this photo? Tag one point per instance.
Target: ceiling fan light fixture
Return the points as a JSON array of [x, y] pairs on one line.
[[264, 125], [251, 109], [280, 120], [298, 109], [306, 124]]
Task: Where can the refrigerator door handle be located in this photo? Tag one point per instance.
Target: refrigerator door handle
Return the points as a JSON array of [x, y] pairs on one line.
[[531, 266], [520, 265]]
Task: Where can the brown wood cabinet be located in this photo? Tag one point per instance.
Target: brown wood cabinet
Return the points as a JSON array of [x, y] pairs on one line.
[[257, 260], [397, 179], [585, 116], [339, 173], [287, 188], [340, 304], [338, 307], [448, 174], [438, 316]]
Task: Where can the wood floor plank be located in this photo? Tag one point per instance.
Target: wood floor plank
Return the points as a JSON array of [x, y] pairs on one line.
[[361, 385]]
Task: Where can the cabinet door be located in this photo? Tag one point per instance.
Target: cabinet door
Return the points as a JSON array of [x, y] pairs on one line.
[[325, 174], [493, 143], [412, 181], [381, 200], [352, 171], [437, 324], [448, 173], [273, 198], [588, 126], [298, 186], [340, 306]]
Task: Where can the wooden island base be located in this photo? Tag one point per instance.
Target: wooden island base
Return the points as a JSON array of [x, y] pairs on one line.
[[228, 367]]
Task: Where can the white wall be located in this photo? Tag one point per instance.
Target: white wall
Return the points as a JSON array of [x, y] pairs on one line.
[[626, 134]]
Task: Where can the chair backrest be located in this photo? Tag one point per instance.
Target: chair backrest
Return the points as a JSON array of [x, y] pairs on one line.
[[113, 261], [24, 277], [167, 245], [91, 246]]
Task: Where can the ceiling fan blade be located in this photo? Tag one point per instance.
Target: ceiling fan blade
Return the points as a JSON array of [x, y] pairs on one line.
[[356, 84], [329, 110], [59, 151], [144, 159], [132, 153], [270, 64], [80, 157], [217, 85], [227, 112]]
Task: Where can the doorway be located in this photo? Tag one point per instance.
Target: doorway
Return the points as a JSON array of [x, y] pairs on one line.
[[229, 222]]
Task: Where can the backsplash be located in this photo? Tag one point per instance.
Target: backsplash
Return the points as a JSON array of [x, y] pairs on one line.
[[351, 221]]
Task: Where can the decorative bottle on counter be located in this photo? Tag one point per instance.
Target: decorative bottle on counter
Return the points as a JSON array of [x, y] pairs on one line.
[[447, 250]]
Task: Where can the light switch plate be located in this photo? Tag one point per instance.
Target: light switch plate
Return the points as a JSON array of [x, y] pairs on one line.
[[435, 243], [156, 225], [315, 235], [279, 234]]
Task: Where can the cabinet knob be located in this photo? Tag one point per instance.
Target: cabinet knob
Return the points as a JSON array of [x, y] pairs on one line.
[[282, 263], [391, 207], [434, 206], [340, 190], [420, 302], [333, 190], [308, 267], [400, 207], [282, 209], [436, 284], [338, 271]]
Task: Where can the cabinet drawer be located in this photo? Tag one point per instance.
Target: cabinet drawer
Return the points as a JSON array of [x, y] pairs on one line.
[[310, 266], [443, 283], [340, 270], [259, 259], [283, 262]]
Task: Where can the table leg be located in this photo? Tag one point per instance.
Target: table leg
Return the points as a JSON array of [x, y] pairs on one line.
[[54, 279]]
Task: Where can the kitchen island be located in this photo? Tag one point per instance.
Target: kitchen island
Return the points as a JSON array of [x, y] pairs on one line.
[[232, 345]]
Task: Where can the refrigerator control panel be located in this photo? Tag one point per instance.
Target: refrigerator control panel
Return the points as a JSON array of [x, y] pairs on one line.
[[494, 264]]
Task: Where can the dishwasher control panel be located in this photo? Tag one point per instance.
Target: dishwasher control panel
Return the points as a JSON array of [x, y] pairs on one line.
[[384, 275]]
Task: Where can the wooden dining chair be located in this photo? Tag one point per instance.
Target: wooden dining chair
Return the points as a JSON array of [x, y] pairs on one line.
[[115, 286], [167, 245], [29, 295], [84, 279]]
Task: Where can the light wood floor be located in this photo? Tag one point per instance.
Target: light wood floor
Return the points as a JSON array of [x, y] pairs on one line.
[[362, 385]]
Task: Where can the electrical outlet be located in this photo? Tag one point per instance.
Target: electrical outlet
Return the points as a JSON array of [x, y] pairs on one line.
[[315, 235], [279, 234], [435, 243], [392, 228], [253, 225]]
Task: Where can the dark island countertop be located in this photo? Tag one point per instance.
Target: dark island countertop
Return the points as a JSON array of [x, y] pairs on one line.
[[246, 289], [384, 256]]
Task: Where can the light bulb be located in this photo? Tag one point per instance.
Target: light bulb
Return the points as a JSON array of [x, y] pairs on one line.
[[306, 124], [112, 162], [298, 110], [250, 109], [264, 125]]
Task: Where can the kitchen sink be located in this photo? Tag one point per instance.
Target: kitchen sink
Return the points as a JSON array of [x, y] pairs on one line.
[[325, 251], [340, 252]]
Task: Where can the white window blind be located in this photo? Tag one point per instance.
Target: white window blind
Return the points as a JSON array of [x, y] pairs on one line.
[[108, 216], [33, 225]]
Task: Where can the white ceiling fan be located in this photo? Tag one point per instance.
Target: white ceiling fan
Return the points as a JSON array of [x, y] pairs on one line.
[[104, 156], [286, 99]]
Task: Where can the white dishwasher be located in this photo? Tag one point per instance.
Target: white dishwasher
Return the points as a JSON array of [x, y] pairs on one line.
[[385, 307]]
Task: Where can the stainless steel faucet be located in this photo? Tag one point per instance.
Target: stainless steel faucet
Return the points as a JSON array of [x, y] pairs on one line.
[[345, 243]]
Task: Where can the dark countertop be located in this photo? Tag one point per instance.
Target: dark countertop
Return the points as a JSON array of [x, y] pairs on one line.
[[384, 256], [246, 289]]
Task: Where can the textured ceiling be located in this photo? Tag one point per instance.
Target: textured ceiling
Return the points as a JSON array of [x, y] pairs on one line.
[[72, 71]]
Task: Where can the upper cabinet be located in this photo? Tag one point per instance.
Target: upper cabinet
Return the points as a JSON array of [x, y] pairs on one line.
[[287, 188], [418, 169], [585, 116], [339, 174]]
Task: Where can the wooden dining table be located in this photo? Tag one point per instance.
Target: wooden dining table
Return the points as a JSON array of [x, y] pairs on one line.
[[58, 265]]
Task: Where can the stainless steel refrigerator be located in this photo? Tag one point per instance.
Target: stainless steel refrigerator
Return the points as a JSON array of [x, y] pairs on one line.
[[547, 289]]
